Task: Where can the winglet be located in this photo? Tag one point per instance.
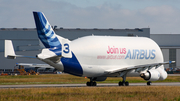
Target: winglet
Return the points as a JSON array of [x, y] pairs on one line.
[[9, 50]]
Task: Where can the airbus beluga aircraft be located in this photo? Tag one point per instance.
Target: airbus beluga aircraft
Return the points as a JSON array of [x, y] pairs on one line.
[[98, 57]]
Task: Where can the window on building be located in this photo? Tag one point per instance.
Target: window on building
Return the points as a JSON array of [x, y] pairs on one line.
[[8, 70], [172, 57]]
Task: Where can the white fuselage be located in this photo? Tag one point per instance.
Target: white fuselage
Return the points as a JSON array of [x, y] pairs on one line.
[[97, 54]]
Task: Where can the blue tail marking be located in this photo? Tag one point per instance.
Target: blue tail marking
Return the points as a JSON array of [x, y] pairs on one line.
[[50, 40], [45, 32], [72, 65]]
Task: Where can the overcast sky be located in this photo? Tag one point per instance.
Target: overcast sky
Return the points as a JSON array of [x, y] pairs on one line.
[[161, 16]]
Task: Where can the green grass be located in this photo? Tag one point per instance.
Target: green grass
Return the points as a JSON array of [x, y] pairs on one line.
[[68, 79], [131, 93]]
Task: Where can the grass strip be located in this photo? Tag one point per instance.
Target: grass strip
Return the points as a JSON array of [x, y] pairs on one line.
[[68, 79], [131, 93]]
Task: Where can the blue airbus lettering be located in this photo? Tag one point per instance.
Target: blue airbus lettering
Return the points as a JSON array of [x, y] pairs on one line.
[[141, 54]]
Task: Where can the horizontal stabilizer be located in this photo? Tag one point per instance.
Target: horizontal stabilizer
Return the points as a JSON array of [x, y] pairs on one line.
[[48, 53], [65, 51], [35, 65]]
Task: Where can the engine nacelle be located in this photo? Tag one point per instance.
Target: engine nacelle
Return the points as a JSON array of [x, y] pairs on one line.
[[151, 75], [99, 78]]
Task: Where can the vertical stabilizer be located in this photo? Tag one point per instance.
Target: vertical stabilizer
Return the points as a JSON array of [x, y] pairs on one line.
[[55, 45], [45, 32], [9, 50]]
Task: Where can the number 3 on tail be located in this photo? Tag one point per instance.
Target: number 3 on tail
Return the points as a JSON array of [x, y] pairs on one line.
[[66, 48]]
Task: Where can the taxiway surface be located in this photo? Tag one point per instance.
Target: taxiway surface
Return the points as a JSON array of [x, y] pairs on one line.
[[84, 85]]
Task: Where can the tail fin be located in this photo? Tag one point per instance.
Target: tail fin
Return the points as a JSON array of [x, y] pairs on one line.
[[45, 31], [56, 44], [9, 50]]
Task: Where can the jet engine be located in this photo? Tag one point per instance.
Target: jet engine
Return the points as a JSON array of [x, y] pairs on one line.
[[151, 75]]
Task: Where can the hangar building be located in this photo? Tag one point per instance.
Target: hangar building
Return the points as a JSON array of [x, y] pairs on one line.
[[25, 41]]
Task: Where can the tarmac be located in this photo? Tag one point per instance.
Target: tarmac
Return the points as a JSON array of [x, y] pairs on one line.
[[84, 85], [98, 84]]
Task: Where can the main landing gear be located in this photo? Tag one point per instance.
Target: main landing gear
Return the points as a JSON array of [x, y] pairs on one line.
[[149, 83], [91, 83], [124, 82]]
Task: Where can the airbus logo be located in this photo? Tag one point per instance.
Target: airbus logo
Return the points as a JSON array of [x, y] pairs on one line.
[[123, 53], [140, 54]]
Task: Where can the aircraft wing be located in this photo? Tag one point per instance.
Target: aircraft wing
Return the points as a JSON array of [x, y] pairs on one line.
[[138, 68]]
